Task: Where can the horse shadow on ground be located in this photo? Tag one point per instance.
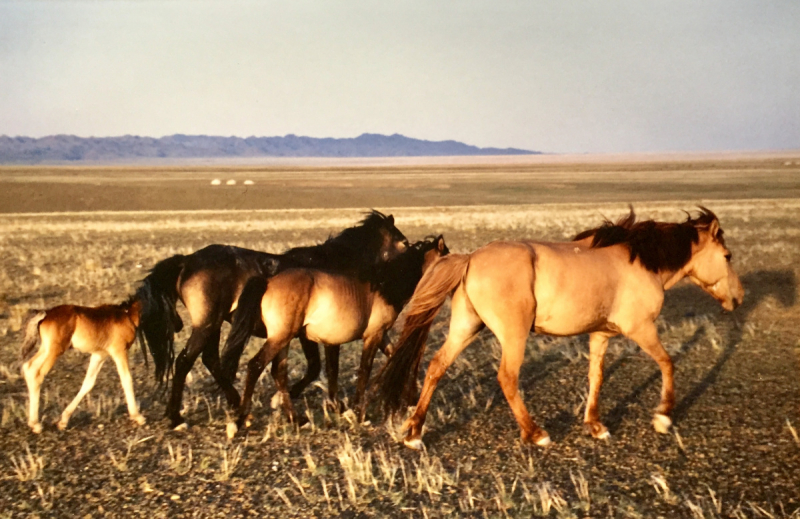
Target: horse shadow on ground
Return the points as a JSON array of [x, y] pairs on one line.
[[759, 285]]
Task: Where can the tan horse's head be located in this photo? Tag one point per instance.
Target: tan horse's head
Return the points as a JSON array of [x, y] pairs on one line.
[[710, 266]]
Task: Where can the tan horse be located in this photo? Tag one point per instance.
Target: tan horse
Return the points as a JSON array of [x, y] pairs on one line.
[[328, 308], [609, 281], [101, 331]]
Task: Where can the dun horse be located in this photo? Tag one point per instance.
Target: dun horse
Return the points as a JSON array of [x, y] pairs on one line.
[[209, 282], [609, 281], [328, 308], [107, 330]]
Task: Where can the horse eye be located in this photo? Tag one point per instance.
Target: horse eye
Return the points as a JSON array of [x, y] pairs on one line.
[[728, 257]]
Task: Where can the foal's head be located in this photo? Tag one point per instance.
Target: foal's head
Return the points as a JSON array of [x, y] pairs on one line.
[[432, 249], [710, 264]]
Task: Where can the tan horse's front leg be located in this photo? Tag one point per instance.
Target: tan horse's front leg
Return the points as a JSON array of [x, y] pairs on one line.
[[598, 342], [646, 337]]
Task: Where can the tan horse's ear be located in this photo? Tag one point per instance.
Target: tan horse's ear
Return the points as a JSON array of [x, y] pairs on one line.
[[713, 228], [440, 243]]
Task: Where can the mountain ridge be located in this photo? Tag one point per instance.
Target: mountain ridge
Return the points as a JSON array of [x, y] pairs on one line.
[[70, 148]]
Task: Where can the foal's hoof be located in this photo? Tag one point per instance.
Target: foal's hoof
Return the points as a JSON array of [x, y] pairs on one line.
[[182, 427], [140, 420], [414, 443], [540, 438], [36, 427], [231, 429], [597, 430], [62, 424], [661, 423]]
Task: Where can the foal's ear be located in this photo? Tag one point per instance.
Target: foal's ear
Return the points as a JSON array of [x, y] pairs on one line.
[[440, 243]]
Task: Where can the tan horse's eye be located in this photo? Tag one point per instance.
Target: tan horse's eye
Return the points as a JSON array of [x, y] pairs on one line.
[[728, 257]]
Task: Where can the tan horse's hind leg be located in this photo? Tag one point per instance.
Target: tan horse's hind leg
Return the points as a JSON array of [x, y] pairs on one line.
[[646, 336], [34, 371], [120, 357], [598, 342], [95, 363], [464, 325]]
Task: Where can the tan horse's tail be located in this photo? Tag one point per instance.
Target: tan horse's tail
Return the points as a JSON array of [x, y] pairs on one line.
[[397, 381], [34, 317]]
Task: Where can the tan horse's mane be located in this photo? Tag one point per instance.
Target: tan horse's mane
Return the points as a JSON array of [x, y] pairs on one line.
[[660, 246]]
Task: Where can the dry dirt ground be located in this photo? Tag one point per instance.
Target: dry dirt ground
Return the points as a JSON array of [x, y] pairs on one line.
[[734, 451]]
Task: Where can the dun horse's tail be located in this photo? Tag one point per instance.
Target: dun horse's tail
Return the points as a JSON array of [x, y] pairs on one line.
[[248, 312], [397, 381], [159, 320], [34, 317]]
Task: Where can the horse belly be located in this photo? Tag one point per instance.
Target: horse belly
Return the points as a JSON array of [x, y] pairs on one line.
[[336, 318]]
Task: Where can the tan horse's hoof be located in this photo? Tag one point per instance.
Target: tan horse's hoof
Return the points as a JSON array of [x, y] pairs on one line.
[[231, 429], [414, 443], [62, 424], [181, 428], [36, 427], [597, 430], [661, 423], [140, 420]]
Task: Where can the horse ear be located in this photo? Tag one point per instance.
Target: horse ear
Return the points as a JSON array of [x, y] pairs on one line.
[[440, 243], [390, 219], [713, 228]]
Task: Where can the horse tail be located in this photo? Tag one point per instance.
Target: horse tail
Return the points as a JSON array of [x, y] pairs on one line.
[[248, 312], [34, 317], [397, 381], [159, 318]]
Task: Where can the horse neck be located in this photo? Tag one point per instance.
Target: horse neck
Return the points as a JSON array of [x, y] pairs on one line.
[[400, 278], [670, 278], [341, 254]]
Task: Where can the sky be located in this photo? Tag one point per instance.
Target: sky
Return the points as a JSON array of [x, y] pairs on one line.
[[563, 76]]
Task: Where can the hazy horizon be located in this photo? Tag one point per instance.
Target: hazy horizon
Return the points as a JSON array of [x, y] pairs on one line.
[[572, 77]]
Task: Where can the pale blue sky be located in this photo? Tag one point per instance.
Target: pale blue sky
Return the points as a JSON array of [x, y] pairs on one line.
[[560, 76]]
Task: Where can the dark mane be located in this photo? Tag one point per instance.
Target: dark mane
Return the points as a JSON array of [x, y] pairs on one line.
[[660, 246], [401, 275]]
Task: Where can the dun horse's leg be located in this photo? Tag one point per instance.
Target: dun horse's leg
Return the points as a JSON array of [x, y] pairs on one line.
[[311, 351], [371, 345], [647, 338], [280, 374], [183, 364], [255, 368], [120, 357], [598, 342], [95, 363], [332, 372], [34, 371], [464, 325], [212, 363]]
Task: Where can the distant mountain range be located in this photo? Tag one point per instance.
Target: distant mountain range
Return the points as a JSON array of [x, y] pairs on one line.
[[69, 148]]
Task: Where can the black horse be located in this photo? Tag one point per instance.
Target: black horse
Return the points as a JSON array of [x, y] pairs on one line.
[[328, 308], [209, 282]]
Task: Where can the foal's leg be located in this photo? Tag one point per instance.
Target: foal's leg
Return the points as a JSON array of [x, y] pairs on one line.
[[464, 325], [120, 357], [646, 336], [598, 342], [371, 345], [34, 371], [332, 373], [95, 363], [311, 351]]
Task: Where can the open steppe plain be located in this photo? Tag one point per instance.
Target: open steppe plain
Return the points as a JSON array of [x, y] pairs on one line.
[[86, 235]]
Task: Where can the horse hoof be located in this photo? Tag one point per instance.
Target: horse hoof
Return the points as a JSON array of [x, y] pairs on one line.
[[140, 420], [544, 441], [62, 424], [597, 430], [181, 427], [415, 444], [231, 429], [603, 435], [662, 423], [277, 399], [36, 428]]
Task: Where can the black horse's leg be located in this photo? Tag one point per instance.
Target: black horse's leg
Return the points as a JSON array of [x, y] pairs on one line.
[[371, 345], [183, 364], [332, 372], [211, 361], [311, 350]]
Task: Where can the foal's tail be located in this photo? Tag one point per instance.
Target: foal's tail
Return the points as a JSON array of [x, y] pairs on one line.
[[397, 381], [247, 314], [159, 319], [34, 317]]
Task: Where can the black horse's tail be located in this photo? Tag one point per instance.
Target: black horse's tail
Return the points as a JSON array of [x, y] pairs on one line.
[[397, 381], [247, 314], [159, 320]]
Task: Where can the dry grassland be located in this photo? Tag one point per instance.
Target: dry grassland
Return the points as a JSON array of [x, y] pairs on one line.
[[734, 452]]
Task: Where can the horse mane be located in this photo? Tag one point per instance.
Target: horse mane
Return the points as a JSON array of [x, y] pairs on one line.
[[658, 245], [400, 277], [354, 249]]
